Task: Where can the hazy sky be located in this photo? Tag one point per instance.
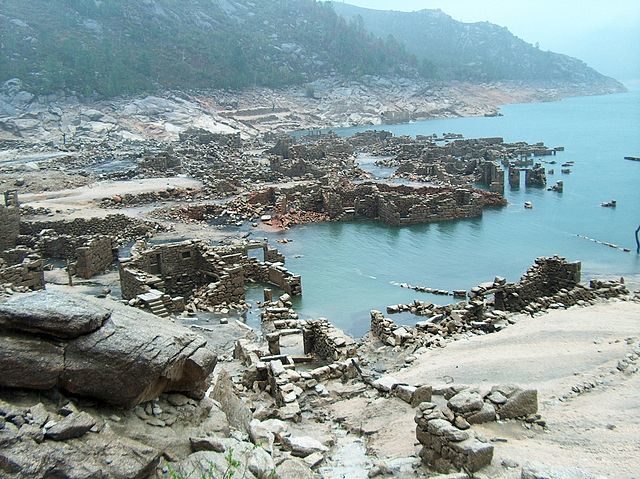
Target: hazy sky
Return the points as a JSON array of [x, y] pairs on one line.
[[604, 33]]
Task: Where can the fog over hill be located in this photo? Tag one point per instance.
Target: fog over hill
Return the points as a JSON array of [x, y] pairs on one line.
[[116, 47], [470, 51]]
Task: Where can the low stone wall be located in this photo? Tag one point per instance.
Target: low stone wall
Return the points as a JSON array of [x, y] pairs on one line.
[[447, 447], [28, 274], [325, 341], [120, 226], [388, 331]]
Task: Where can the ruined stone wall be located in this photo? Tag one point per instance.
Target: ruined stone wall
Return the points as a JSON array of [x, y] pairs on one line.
[[111, 225], [28, 274], [325, 341], [59, 246], [285, 280], [9, 226], [447, 447], [546, 277], [272, 255], [15, 255], [95, 256], [179, 266], [134, 281]]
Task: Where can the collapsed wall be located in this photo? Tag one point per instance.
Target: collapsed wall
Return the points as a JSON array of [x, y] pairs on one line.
[[550, 283]]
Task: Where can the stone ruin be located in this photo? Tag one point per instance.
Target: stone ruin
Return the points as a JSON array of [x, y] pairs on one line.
[[445, 434], [394, 205], [9, 220], [88, 245], [20, 267], [164, 278], [549, 283]]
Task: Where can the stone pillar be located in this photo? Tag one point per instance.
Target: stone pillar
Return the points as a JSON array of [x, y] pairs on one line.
[[274, 343], [268, 295], [514, 178]]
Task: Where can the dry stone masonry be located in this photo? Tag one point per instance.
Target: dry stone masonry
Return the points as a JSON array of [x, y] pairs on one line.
[[550, 283], [9, 220], [202, 276]]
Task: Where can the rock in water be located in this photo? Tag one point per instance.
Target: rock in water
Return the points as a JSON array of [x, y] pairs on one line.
[[52, 314]]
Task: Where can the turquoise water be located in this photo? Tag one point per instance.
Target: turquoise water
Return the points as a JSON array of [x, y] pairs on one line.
[[350, 268]]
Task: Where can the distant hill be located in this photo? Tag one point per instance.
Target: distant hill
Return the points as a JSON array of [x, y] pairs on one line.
[[449, 49], [111, 47]]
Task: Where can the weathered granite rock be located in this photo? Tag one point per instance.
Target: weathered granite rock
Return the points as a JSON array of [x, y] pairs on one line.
[[302, 446], [29, 362], [73, 426], [237, 412], [132, 358], [486, 414], [156, 356], [520, 403], [466, 402], [249, 462], [54, 314], [294, 469], [95, 456]]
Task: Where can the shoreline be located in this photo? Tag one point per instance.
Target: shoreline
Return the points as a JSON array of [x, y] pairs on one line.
[[254, 112]]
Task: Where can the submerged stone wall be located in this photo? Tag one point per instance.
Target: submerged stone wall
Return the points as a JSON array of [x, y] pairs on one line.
[[395, 205]]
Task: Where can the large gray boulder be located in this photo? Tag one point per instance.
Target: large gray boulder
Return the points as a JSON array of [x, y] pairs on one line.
[[133, 357], [30, 362], [54, 314], [95, 456]]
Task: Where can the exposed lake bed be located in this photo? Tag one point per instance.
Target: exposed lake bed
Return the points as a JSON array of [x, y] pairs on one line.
[[375, 222]]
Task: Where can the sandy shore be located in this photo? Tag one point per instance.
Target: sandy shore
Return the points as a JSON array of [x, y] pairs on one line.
[[596, 431]]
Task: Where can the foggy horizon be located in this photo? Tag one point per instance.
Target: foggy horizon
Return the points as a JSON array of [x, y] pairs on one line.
[[603, 35]]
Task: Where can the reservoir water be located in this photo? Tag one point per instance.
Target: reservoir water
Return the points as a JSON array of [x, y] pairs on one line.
[[350, 268]]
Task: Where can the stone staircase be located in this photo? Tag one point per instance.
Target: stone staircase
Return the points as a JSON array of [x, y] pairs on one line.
[[155, 302]]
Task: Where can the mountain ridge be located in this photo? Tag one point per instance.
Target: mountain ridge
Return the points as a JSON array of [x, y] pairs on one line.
[[480, 51]]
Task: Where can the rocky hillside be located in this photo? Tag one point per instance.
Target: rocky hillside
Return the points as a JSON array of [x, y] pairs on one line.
[[111, 47], [449, 49]]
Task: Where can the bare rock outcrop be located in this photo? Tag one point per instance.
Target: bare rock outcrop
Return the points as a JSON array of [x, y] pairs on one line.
[[128, 357], [52, 315]]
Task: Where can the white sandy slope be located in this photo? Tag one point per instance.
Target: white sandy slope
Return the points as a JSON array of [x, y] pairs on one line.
[[597, 431]]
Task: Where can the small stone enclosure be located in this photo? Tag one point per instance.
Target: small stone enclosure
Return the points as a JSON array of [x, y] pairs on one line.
[[194, 269]]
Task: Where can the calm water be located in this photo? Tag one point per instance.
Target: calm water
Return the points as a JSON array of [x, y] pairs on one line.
[[349, 268]]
